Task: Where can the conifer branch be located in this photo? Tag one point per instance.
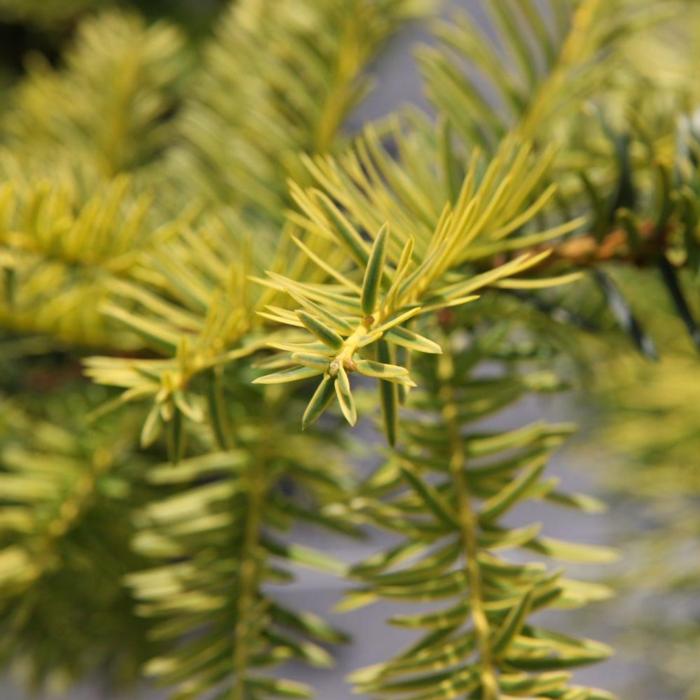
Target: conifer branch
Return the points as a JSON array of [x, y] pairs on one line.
[[468, 525], [275, 251], [249, 582]]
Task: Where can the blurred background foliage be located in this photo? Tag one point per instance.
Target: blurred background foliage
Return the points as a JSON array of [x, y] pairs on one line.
[[46, 26], [645, 416]]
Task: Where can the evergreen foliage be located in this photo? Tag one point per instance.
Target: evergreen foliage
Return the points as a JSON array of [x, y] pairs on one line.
[[205, 278], [68, 490], [45, 13]]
